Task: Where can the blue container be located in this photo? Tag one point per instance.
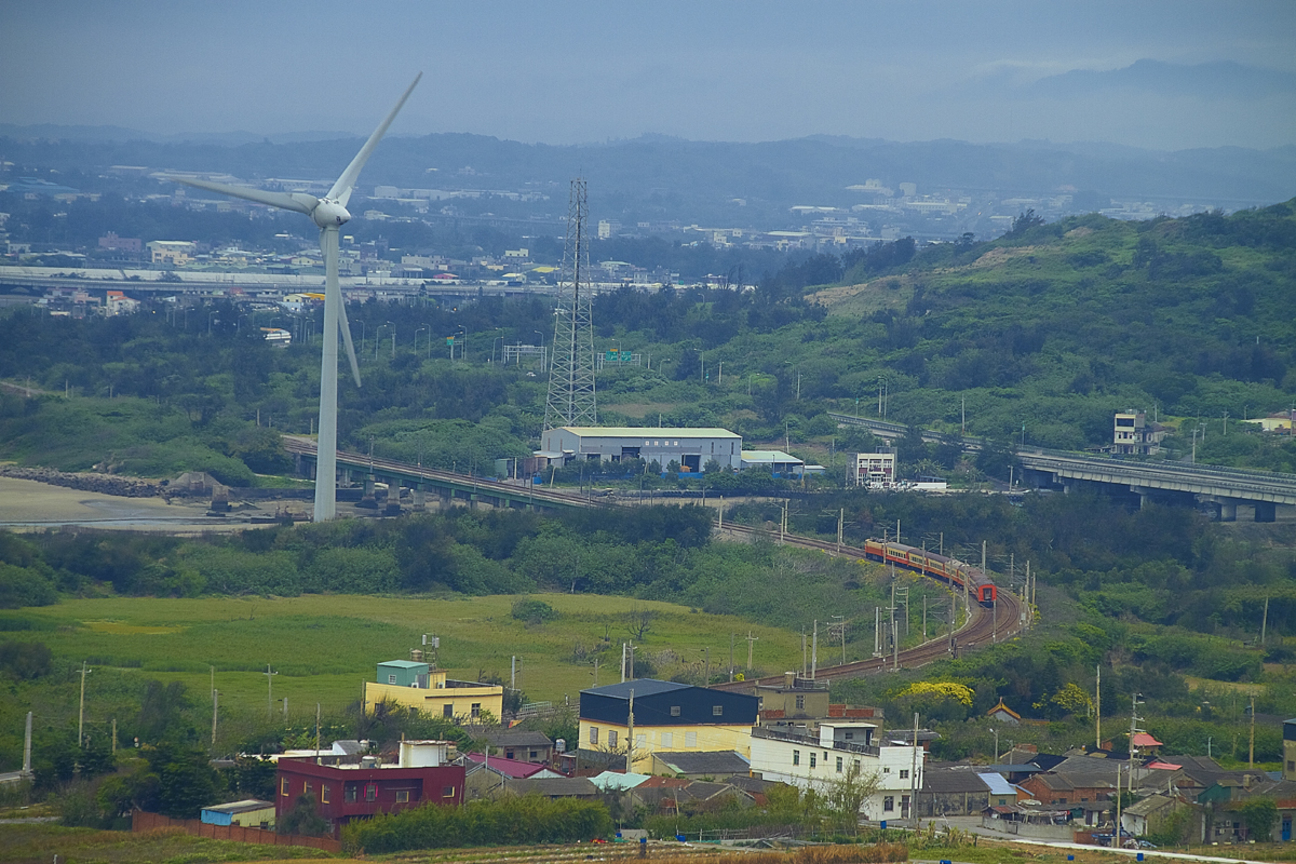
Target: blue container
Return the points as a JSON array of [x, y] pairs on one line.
[[883, 824], [1139, 857], [679, 837]]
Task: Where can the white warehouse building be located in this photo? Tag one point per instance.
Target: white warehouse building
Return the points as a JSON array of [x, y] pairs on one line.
[[691, 448]]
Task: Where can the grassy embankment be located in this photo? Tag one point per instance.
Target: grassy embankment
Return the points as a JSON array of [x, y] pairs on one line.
[[324, 646]]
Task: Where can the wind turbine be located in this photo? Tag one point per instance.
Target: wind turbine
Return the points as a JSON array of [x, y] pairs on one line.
[[329, 213]]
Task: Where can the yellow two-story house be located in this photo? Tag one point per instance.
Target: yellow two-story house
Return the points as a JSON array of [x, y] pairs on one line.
[[667, 717], [418, 685]]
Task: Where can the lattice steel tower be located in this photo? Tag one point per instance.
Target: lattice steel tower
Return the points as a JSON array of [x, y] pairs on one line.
[[571, 400]]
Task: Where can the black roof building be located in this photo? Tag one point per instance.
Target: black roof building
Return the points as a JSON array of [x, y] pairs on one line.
[[666, 703]]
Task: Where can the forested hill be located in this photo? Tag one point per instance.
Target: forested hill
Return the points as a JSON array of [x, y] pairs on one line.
[[1054, 325]]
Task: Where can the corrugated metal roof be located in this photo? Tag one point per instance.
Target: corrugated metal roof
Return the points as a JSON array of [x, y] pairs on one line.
[[998, 785], [648, 432]]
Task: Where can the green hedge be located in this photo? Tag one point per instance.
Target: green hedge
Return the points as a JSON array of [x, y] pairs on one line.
[[509, 822]]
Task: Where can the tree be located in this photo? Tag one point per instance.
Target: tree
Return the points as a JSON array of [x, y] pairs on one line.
[[1259, 815], [1024, 222], [303, 818], [639, 621], [842, 798]]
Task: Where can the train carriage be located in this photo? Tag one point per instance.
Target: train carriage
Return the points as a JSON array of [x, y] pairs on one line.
[[955, 573]]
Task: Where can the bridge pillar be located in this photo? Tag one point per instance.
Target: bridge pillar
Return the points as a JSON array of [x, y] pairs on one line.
[[1265, 511], [1228, 510], [369, 499], [393, 507], [417, 495]]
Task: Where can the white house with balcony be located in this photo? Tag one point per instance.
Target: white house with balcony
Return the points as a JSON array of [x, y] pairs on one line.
[[818, 761]]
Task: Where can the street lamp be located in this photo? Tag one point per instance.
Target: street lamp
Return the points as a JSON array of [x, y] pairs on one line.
[[463, 352], [416, 332], [494, 342], [378, 338]]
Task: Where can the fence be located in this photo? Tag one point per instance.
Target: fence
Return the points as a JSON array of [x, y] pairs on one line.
[[143, 821]]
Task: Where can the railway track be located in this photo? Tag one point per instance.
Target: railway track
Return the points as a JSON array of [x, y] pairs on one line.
[[983, 626]]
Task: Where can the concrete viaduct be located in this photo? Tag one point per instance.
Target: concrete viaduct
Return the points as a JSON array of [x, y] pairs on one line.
[[1223, 489], [365, 472]]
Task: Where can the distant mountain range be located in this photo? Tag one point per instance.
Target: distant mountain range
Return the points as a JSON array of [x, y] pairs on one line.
[[659, 178], [1224, 79]]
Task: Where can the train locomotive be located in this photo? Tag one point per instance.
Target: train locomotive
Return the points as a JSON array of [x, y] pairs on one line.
[[955, 573]]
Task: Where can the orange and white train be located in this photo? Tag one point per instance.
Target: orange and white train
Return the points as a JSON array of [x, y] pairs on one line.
[[949, 570]]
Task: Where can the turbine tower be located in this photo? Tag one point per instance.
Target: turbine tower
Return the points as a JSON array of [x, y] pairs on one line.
[[571, 400], [329, 213]]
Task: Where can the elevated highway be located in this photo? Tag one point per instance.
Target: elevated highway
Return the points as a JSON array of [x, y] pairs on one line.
[[1224, 489]]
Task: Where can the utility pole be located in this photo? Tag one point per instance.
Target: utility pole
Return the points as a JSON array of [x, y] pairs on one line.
[[814, 651], [751, 640], [841, 518], [913, 777], [215, 704], [1264, 622], [81, 710], [731, 663], [1251, 750], [269, 692], [1098, 709]]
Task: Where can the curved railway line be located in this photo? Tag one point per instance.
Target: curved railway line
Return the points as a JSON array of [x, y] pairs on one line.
[[982, 626]]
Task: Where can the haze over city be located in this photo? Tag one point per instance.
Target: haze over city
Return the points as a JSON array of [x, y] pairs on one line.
[[1156, 75]]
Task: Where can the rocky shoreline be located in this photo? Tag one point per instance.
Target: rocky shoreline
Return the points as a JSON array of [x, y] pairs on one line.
[[107, 484]]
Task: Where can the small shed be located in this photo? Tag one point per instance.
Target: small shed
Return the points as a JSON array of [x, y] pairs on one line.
[[403, 673], [1004, 714], [249, 813]]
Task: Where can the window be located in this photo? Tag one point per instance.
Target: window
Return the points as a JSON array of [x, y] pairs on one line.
[[904, 773], [447, 791], [612, 737], [447, 710], [850, 735], [800, 701], [371, 792], [402, 796], [668, 740], [717, 710], [888, 804], [324, 794], [391, 679], [857, 765], [476, 710], [812, 759], [307, 788], [594, 735], [839, 764], [690, 739], [350, 792], [675, 711], [283, 787], [508, 754], [796, 758]]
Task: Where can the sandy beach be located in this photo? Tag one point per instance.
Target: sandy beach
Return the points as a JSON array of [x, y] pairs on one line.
[[30, 505]]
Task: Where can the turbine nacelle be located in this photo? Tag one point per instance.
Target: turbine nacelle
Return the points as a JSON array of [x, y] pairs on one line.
[[329, 213]]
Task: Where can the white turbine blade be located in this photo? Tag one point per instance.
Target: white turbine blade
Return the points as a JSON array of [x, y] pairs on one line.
[[297, 201], [346, 337], [341, 191], [333, 293]]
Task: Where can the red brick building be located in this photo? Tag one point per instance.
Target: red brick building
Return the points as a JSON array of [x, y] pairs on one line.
[[364, 787]]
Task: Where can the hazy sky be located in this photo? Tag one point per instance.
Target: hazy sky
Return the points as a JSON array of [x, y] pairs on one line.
[[571, 72]]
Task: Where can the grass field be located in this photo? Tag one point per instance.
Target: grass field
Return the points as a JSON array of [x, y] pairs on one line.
[[323, 646]]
